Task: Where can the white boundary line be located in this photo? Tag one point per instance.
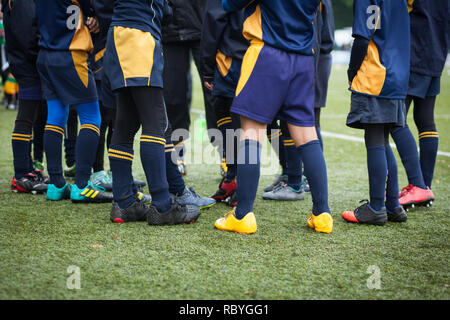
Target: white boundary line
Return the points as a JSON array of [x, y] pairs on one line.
[[341, 136]]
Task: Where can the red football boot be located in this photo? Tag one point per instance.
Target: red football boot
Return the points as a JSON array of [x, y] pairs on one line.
[[226, 189], [412, 195], [26, 184]]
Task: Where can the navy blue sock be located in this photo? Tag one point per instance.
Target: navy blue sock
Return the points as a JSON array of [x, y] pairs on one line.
[[231, 171], [85, 152], [392, 181], [21, 144], [154, 164], [319, 135], [223, 125], [294, 164], [278, 137], [53, 136], [174, 177], [121, 160], [407, 149], [428, 142], [248, 171], [315, 170], [87, 141], [377, 168]]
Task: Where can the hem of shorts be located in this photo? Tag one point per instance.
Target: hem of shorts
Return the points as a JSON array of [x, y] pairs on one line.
[[250, 115], [136, 85], [265, 120], [79, 101], [298, 123], [359, 124], [380, 97]]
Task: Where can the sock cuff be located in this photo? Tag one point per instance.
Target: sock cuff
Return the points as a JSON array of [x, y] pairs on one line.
[[309, 144], [120, 153], [88, 126], [145, 138], [428, 134], [53, 128]]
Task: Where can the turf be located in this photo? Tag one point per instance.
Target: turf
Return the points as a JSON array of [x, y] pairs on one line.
[[39, 240]]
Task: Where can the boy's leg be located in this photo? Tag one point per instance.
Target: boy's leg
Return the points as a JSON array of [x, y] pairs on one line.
[[70, 141], [428, 136], [292, 189], [407, 149], [315, 170], [38, 132], [121, 151], [154, 124], [373, 212], [57, 115], [87, 141], [242, 218], [226, 124]]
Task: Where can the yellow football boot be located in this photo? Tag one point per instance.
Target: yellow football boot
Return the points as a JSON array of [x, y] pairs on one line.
[[321, 223], [229, 222]]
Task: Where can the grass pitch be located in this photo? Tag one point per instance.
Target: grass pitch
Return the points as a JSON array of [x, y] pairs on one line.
[[39, 240]]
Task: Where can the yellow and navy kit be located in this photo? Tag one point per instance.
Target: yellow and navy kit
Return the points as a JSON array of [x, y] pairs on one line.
[[430, 30], [286, 25], [62, 24], [384, 72], [133, 54], [222, 48], [65, 43]]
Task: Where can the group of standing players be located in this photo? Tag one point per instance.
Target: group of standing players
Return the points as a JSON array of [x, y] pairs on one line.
[[260, 62]]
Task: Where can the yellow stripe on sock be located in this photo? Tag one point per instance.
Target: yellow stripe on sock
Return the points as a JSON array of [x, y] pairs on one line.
[[21, 135], [55, 130], [429, 136], [120, 157], [153, 137], [222, 123], [155, 141], [121, 152], [91, 127], [22, 139]]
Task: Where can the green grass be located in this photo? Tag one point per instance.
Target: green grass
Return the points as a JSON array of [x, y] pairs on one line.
[[39, 240]]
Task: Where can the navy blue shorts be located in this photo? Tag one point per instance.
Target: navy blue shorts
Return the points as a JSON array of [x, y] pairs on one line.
[[276, 84], [322, 77], [65, 76], [133, 58], [422, 86]]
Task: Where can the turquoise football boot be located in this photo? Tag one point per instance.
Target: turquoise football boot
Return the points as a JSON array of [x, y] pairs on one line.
[[90, 194], [56, 194]]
